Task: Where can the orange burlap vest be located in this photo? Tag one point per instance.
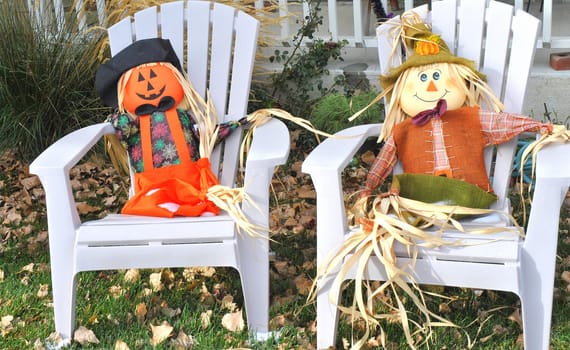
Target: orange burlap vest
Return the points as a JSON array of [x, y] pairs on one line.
[[464, 145]]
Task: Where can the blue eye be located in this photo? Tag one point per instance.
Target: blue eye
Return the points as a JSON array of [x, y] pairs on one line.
[[436, 76], [423, 77]]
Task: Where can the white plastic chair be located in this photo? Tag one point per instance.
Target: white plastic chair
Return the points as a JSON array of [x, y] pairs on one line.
[[219, 56], [503, 45]]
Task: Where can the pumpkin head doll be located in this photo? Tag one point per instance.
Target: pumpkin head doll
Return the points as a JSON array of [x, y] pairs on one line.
[[158, 121]]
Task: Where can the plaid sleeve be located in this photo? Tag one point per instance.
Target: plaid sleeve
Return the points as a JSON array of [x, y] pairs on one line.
[[499, 127], [382, 166]]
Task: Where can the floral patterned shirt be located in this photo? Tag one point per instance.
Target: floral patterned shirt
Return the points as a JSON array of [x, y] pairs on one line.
[[164, 151]]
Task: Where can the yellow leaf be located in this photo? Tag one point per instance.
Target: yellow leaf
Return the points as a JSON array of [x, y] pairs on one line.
[[1, 275], [160, 333], [233, 321], [83, 336]]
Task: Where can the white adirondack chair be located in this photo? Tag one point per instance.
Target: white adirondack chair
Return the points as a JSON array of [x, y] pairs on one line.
[[503, 45], [219, 56]]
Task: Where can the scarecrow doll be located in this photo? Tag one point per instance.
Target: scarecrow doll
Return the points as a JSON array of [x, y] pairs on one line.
[[436, 127], [435, 124], [158, 120], [169, 131]]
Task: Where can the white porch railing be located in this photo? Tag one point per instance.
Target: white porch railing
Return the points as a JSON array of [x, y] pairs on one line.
[[350, 20]]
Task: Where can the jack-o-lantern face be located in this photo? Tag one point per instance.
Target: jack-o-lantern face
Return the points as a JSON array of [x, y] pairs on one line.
[[151, 86]]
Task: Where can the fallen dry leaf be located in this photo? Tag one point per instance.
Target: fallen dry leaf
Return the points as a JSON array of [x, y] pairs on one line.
[[228, 303], [565, 276], [140, 311], [132, 276], [42, 291], [160, 333], [116, 291], [233, 322], [28, 268], [82, 335], [183, 341], [155, 281], [516, 317], [205, 318], [121, 345], [1, 275], [6, 321], [303, 284], [83, 208]]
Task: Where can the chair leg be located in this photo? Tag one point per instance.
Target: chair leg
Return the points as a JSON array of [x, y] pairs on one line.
[[254, 274], [327, 316], [63, 289], [536, 302]]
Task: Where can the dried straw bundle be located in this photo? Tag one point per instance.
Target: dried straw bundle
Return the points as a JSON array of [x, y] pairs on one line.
[[395, 219]]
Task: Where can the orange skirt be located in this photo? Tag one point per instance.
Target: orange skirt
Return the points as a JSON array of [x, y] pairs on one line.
[[176, 190]]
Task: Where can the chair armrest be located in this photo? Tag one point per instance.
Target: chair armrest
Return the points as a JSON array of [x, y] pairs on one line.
[[270, 145], [53, 165], [269, 148], [68, 150], [325, 164], [552, 179], [334, 154]]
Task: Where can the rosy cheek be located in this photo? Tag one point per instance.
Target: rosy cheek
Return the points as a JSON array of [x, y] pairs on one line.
[[409, 89], [453, 84]]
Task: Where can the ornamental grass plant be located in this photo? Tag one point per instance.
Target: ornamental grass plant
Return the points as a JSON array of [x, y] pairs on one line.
[[46, 78]]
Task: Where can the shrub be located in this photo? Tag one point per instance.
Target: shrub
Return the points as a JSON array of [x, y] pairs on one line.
[[46, 79], [331, 113]]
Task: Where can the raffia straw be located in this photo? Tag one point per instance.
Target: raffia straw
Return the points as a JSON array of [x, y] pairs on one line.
[[390, 224], [560, 134], [230, 200], [262, 116]]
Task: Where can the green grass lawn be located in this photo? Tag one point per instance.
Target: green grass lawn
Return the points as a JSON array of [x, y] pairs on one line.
[[190, 308]]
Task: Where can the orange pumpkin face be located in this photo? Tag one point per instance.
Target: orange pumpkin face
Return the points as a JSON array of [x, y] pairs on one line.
[[153, 85]]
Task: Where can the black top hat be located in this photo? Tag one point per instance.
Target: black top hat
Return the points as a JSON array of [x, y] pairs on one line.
[[139, 52]]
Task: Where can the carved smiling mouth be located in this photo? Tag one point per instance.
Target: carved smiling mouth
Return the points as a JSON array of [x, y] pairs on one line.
[[152, 96], [430, 101]]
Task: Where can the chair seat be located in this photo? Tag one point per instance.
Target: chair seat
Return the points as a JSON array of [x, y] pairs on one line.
[[118, 229], [493, 248]]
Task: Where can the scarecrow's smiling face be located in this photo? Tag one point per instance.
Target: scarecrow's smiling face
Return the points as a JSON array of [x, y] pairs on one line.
[[148, 84], [424, 86]]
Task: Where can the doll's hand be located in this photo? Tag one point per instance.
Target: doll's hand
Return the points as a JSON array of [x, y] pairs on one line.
[[547, 129], [365, 193]]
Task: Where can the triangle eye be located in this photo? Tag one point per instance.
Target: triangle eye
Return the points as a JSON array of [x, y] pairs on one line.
[[152, 74], [140, 78]]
